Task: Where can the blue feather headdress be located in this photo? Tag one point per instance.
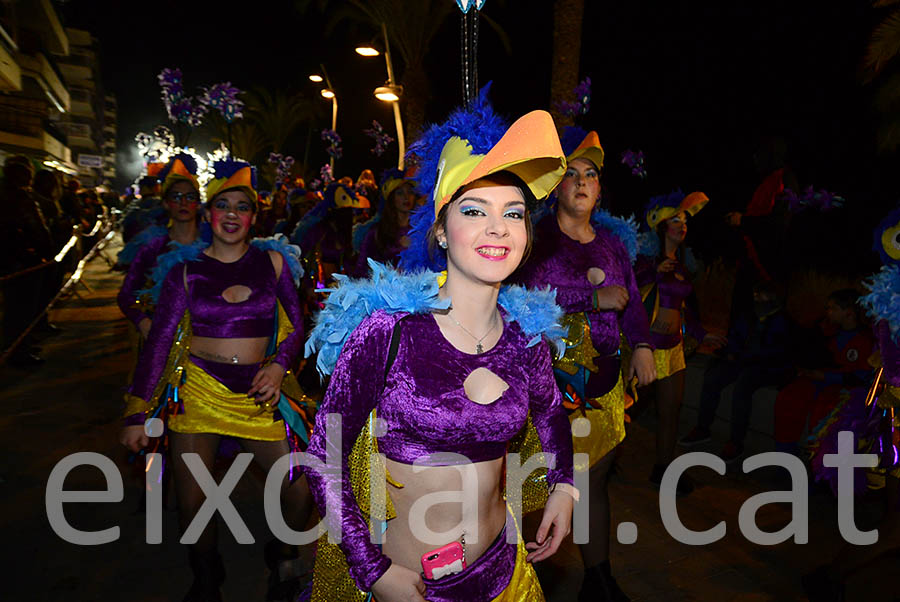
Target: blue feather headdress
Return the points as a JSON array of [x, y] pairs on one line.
[[886, 237], [482, 128]]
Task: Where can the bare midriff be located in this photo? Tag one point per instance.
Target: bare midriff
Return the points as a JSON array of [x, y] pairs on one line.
[[247, 350], [402, 543]]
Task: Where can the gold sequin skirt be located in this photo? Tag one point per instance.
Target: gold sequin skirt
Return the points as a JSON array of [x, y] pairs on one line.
[[607, 419], [211, 407], [669, 361]]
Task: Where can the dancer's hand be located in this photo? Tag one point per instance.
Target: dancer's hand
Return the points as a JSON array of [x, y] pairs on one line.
[[611, 298], [715, 341], [643, 365], [399, 584], [558, 516], [267, 383], [666, 266], [134, 438], [144, 327]]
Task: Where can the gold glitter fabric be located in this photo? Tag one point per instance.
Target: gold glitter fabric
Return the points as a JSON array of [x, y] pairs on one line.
[[580, 351], [534, 489], [178, 354], [669, 361], [331, 575], [607, 418]]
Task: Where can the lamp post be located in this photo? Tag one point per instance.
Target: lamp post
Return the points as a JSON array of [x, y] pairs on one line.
[[327, 93], [389, 93]]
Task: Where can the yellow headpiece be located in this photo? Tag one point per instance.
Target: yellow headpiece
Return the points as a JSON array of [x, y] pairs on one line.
[[589, 149]]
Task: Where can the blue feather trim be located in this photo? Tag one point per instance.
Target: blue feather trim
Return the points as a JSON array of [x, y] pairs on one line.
[[291, 253], [393, 291], [648, 244], [883, 300], [625, 229], [167, 261], [536, 313], [312, 217], [130, 250], [360, 231]]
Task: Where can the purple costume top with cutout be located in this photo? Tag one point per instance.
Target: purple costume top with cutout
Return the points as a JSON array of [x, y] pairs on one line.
[[136, 278], [675, 291], [424, 406], [563, 263], [212, 316]]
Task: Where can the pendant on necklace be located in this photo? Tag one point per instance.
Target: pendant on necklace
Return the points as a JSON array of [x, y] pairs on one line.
[[479, 349]]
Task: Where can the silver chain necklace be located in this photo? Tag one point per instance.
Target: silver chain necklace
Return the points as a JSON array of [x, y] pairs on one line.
[[479, 349]]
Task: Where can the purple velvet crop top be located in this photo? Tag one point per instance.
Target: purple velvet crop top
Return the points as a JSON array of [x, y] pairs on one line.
[[423, 403], [675, 291], [212, 316]]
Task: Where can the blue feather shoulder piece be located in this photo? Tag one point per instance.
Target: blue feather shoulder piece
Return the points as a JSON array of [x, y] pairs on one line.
[[536, 313], [360, 231], [353, 300], [648, 244], [625, 229], [167, 261], [883, 300], [130, 250], [291, 253]]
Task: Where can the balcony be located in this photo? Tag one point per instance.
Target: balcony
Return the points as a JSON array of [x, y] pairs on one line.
[[41, 16], [30, 135], [38, 67], [10, 73]]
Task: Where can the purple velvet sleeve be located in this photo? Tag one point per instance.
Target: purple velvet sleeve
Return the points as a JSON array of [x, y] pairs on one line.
[[548, 268], [136, 278], [290, 301], [633, 321], [548, 416], [353, 393], [645, 271], [169, 311]]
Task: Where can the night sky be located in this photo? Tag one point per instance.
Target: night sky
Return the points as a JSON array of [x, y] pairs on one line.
[[695, 85]]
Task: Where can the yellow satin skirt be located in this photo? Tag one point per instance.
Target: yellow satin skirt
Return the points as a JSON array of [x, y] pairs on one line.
[[669, 361], [211, 407], [607, 418]]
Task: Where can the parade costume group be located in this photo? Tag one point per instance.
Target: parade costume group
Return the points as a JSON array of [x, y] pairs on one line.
[[564, 362]]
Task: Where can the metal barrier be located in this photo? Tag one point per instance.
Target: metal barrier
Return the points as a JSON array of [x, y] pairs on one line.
[[103, 231]]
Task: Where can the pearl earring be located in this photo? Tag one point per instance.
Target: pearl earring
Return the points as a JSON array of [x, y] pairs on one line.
[[443, 244]]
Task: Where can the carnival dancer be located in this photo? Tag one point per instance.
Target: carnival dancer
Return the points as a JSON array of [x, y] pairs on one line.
[[578, 254], [325, 232], [214, 341], [385, 236], [147, 210], [453, 372], [873, 417], [664, 278], [181, 198]]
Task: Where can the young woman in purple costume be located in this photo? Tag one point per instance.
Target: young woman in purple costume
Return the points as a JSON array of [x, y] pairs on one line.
[[665, 284], [181, 198], [590, 269], [229, 292], [467, 371]]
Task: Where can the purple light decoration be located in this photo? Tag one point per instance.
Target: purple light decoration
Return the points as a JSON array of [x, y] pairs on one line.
[[180, 108], [334, 143], [582, 102], [382, 138], [222, 97], [283, 166], [810, 198], [635, 161], [326, 175]]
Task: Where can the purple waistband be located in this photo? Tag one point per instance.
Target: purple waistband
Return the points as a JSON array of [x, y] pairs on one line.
[[484, 579], [237, 377]]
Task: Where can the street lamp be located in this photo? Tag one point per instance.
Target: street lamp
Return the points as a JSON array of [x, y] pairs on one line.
[[328, 93], [390, 92], [315, 77]]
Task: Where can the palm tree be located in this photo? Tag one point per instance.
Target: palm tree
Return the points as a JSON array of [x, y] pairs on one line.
[[279, 115], [246, 139], [567, 18], [880, 64]]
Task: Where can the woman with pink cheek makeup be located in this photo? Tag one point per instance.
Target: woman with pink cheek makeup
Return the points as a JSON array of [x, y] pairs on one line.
[[665, 283], [214, 338], [590, 268]]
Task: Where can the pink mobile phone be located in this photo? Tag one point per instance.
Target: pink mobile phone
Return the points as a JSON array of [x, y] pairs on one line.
[[443, 561]]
